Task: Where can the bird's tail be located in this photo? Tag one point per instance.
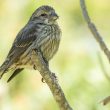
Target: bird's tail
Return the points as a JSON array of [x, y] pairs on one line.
[[3, 68]]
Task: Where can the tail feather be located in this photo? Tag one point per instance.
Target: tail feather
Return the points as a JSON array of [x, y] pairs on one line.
[[3, 69], [2, 73], [15, 74]]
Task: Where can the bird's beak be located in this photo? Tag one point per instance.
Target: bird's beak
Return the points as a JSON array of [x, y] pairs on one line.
[[54, 16]]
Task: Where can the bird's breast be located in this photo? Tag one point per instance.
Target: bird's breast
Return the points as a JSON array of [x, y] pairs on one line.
[[51, 42]]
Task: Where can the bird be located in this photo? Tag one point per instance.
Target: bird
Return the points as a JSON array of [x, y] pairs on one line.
[[41, 32]]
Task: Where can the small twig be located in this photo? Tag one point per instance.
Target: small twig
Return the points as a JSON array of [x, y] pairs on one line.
[[51, 81], [103, 68], [94, 30]]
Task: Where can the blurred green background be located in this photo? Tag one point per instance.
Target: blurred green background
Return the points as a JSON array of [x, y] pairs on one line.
[[76, 63]]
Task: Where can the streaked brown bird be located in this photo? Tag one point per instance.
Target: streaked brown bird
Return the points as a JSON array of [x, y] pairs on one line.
[[41, 32]]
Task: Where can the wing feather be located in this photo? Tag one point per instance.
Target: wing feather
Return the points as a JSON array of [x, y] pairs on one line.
[[23, 40]]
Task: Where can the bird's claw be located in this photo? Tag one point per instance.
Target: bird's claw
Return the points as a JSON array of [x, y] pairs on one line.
[[34, 67], [53, 76], [43, 80]]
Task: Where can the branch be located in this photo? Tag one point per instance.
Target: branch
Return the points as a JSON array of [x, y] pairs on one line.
[[94, 31], [51, 81], [97, 36]]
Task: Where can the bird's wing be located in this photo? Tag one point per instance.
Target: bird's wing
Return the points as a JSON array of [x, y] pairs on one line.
[[26, 37], [23, 40]]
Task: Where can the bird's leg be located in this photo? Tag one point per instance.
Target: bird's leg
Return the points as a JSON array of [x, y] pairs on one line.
[[34, 66], [46, 62], [53, 74]]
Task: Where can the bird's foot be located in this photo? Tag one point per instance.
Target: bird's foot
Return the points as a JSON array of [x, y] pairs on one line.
[[54, 77], [34, 67], [43, 80]]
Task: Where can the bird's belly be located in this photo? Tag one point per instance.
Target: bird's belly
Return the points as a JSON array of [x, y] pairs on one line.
[[50, 48]]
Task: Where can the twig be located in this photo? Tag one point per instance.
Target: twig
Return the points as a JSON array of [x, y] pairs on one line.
[[103, 68], [51, 81], [97, 36], [94, 31]]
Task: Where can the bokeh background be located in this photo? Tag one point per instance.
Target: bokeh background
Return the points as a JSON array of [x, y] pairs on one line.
[[76, 64]]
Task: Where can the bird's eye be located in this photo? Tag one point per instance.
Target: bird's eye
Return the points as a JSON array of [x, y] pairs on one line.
[[43, 14]]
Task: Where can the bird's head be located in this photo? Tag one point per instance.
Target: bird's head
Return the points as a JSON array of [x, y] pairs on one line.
[[45, 14]]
